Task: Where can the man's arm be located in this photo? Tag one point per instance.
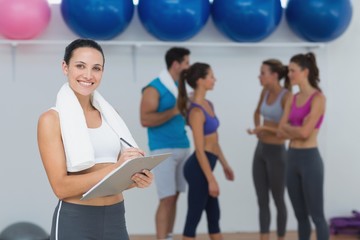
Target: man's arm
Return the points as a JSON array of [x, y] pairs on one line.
[[149, 116]]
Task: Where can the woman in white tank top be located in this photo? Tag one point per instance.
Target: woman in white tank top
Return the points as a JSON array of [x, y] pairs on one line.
[[100, 217]]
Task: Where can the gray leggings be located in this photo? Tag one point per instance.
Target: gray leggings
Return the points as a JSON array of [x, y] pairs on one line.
[[269, 175], [305, 181], [82, 222]]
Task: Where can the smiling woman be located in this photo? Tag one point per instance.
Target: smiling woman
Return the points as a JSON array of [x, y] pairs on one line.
[[80, 106]]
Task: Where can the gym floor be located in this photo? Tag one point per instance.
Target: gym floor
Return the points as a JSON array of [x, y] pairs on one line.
[[247, 236]]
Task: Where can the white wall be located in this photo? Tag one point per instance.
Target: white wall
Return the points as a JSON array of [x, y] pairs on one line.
[[31, 76]]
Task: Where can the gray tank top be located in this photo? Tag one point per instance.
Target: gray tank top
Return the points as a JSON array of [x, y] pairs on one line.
[[274, 111]]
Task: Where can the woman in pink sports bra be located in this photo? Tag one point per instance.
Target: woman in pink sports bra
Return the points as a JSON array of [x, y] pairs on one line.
[[300, 123]]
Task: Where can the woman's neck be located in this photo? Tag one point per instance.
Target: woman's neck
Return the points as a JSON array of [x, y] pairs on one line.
[[306, 89], [85, 102], [199, 96], [275, 88]]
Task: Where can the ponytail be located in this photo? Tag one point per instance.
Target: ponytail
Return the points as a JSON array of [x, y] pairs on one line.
[[182, 95], [287, 83]]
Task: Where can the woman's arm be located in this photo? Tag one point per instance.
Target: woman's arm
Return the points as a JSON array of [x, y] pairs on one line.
[[308, 126], [196, 121], [257, 114], [285, 117], [229, 174], [53, 157]]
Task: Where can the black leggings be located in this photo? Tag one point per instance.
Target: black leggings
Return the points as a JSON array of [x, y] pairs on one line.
[[82, 222], [269, 175], [199, 198], [305, 181]]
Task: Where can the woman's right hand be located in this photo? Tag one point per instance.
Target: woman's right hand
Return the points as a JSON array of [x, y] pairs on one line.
[[214, 190], [258, 131], [130, 153], [250, 131]]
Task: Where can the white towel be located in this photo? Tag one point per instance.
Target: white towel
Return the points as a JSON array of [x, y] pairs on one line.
[[78, 148], [168, 82]]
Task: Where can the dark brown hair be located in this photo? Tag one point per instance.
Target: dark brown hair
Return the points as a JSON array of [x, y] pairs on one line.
[[282, 71], [308, 61], [78, 43], [190, 76], [175, 54]]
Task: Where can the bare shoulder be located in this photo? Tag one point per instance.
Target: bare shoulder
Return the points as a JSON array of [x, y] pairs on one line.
[[49, 120], [196, 113], [287, 95], [320, 97], [150, 91]]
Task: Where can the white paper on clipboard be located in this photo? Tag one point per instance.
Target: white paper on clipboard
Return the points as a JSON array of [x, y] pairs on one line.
[[120, 178]]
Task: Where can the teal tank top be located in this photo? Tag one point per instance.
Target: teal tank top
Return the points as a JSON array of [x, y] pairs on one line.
[[171, 134]]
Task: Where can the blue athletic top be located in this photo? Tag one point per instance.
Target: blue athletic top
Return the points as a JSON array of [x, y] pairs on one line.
[[211, 122], [274, 111], [170, 134]]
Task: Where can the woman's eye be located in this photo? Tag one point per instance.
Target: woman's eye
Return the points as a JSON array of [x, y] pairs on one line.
[[80, 66]]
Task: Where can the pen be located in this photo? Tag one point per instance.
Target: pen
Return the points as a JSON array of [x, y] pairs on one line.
[[127, 143]]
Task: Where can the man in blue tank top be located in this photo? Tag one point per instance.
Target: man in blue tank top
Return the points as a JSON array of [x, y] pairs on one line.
[[166, 133]]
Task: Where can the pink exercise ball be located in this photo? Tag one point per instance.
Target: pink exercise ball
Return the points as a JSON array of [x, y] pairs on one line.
[[23, 19]]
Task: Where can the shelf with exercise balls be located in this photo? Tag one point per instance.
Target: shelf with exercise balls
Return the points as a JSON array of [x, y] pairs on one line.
[[320, 20], [23, 19], [99, 20], [246, 20], [173, 20]]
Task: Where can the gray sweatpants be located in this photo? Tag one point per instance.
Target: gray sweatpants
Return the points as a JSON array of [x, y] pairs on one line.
[[81, 222], [269, 175], [305, 182]]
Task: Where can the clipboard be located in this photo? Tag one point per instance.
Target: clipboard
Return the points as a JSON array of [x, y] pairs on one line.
[[120, 178]]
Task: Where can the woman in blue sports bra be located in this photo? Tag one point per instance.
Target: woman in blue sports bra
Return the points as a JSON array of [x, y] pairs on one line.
[[269, 159], [198, 170]]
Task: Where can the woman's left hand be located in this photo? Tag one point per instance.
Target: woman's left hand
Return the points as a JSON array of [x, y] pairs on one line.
[[143, 179], [229, 174]]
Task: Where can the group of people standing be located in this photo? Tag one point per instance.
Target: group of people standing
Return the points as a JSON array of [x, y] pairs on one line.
[[166, 108], [280, 116]]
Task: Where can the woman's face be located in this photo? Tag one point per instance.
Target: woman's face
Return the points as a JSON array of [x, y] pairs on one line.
[[85, 69], [209, 80], [296, 74], [266, 77]]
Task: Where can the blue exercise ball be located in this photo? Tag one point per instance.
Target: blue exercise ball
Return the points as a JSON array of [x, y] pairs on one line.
[[97, 19], [318, 20], [246, 20], [24, 231], [173, 20]]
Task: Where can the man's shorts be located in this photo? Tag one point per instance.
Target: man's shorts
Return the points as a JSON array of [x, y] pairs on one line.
[[169, 175]]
